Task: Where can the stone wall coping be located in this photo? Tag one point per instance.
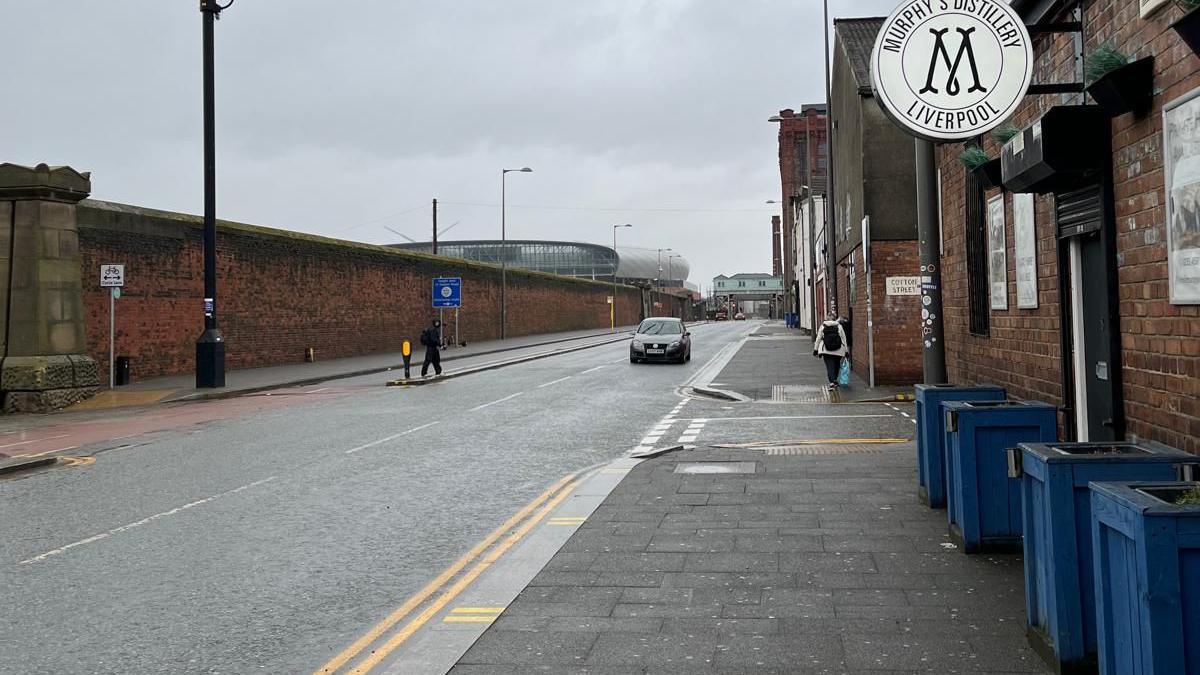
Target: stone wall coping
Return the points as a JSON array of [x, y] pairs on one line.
[[163, 221], [49, 183]]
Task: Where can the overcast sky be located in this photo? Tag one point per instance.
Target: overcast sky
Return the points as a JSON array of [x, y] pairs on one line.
[[339, 118]]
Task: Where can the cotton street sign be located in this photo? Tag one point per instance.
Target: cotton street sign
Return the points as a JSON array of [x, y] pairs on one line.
[[447, 292], [949, 70]]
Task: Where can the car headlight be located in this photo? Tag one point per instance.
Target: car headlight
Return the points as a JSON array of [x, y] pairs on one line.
[[637, 344], [675, 344]]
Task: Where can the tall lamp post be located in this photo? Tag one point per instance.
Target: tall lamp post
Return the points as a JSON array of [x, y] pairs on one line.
[[504, 249], [612, 309], [659, 280], [210, 348], [671, 270]]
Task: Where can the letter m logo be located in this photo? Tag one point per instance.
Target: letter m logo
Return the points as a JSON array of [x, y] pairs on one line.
[[941, 56]]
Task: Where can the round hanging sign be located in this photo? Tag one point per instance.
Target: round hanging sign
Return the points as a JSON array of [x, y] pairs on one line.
[[948, 70]]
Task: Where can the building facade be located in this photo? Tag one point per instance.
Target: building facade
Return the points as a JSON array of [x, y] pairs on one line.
[[759, 295], [1081, 287], [872, 200], [803, 165]]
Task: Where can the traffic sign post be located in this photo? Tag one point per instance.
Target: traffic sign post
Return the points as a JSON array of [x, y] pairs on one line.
[[447, 293], [112, 277]]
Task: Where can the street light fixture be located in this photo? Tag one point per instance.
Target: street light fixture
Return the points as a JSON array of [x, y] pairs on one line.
[[612, 309], [210, 347], [504, 249]]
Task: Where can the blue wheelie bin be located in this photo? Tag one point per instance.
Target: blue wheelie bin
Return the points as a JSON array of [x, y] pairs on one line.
[[931, 434], [984, 504]]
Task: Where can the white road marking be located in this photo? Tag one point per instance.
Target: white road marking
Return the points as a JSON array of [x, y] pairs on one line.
[[563, 379], [34, 440], [317, 391], [904, 414], [687, 439], [651, 440], [143, 521], [506, 398], [389, 438], [592, 370]]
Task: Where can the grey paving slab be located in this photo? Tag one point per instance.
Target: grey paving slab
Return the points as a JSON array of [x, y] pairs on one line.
[[808, 565]]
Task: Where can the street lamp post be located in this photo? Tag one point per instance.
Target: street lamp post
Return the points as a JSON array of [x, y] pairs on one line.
[[612, 308], [504, 249], [671, 269], [659, 279], [210, 348]]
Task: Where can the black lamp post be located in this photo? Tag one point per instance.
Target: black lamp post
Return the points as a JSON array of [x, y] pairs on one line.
[[210, 348]]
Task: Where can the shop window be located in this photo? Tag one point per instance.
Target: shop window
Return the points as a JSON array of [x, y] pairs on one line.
[[978, 283]]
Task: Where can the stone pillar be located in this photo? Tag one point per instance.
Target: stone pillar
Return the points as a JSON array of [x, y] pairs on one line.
[[43, 349]]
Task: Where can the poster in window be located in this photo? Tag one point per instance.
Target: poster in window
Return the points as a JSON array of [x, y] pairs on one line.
[[997, 256], [1181, 146], [1025, 235]]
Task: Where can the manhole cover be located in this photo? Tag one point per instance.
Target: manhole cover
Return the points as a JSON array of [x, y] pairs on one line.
[[715, 467]]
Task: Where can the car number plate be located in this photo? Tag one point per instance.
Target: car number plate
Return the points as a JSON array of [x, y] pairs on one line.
[[656, 351]]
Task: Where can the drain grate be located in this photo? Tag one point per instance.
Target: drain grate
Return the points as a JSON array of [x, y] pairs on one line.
[[839, 449]]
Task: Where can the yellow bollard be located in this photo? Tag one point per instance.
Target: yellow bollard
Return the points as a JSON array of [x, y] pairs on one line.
[[406, 352]]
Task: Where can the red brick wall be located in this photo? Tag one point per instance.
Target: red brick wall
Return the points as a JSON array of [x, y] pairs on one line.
[[282, 292], [1160, 342], [896, 319]]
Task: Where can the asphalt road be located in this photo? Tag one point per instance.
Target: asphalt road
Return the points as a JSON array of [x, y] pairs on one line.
[[267, 541]]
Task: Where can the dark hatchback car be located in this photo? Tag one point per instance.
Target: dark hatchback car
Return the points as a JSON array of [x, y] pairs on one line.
[[661, 339]]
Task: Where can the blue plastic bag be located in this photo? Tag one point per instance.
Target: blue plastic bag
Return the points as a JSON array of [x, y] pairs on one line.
[[844, 373]]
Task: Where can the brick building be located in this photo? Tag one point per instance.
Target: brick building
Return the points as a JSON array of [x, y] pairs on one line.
[[873, 164], [803, 157], [1075, 307]]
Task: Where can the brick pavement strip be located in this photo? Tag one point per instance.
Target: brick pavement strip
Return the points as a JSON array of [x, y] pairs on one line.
[[804, 566]]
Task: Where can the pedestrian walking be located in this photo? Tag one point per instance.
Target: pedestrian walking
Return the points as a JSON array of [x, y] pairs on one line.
[[831, 346], [432, 339]]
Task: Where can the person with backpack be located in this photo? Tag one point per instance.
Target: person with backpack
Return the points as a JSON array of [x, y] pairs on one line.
[[831, 345], [432, 339]]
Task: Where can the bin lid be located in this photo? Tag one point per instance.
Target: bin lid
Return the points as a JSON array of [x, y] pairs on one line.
[[1143, 451]]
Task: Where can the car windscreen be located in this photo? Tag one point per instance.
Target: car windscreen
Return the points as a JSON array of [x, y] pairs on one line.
[[660, 328]]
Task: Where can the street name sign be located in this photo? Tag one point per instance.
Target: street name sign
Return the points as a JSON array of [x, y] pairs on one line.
[[904, 285], [949, 70], [112, 276], [447, 292]]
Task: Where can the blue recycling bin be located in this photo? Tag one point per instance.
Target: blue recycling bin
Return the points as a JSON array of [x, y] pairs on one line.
[[983, 503], [931, 433], [1147, 562], [1060, 600]]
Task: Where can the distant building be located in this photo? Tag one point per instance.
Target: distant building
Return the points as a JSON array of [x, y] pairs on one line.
[[661, 269], [803, 163], [753, 294]]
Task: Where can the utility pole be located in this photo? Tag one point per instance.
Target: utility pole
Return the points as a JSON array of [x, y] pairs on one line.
[[210, 348], [831, 286], [435, 226], [932, 332]]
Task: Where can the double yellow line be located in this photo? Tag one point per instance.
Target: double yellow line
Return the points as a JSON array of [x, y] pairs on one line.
[[547, 501]]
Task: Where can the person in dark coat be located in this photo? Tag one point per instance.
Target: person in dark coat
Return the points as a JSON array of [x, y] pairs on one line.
[[831, 345], [432, 339]]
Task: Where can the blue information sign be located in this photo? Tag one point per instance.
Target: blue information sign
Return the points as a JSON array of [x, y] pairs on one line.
[[447, 292]]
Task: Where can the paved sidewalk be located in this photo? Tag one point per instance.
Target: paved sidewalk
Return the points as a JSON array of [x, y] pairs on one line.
[[776, 364], [819, 564], [249, 380], [820, 559]]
